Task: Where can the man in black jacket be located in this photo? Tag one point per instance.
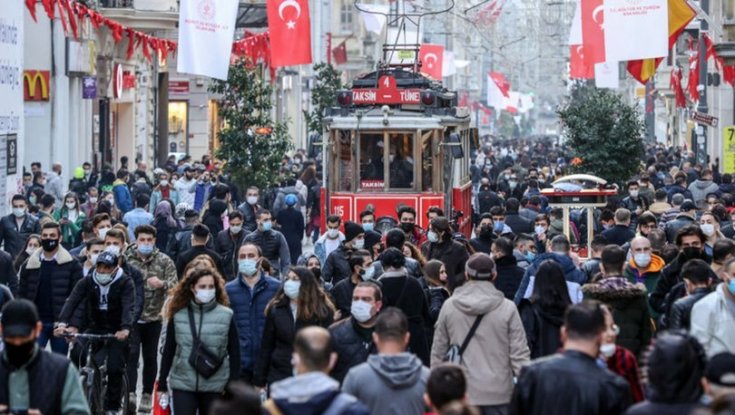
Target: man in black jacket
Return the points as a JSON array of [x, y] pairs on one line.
[[336, 267], [227, 241], [249, 207], [620, 234], [108, 297], [352, 338], [517, 223], [509, 273], [115, 244], [8, 277], [696, 275], [46, 279], [685, 218], [572, 383], [17, 226], [450, 252], [485, 237], [199, 238], [361, 265]]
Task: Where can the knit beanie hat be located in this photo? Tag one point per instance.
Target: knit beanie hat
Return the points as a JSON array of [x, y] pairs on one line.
[[480, 266], [352, 229]]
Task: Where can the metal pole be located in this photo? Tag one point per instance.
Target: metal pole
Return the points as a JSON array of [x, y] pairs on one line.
[[701, 144], [650, 117]]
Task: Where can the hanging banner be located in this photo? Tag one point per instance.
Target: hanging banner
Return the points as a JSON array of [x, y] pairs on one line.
[[728, 149], [636, 29], [206, 31], [11, 104], [607, 75], [289, 26]]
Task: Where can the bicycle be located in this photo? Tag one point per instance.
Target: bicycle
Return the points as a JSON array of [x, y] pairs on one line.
[[94, 377]]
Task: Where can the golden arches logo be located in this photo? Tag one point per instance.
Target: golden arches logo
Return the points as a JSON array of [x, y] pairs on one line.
[[36, 85]]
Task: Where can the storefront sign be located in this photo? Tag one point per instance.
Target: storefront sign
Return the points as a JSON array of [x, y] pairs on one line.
[[89, 87], [36, 85], [117, 81], [11, 148], [728, 149], [178, 87], [703, 118], [81, 57], [386, 93], [128, 80]]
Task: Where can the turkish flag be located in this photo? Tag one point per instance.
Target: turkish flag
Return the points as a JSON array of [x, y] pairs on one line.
[[593, 34], [340, 53], [501, 82], [578, 68], [675, 85], [431, 58], [290, 32]]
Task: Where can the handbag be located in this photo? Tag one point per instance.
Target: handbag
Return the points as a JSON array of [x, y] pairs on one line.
[[203, 360], [161, 402], [454, 354]]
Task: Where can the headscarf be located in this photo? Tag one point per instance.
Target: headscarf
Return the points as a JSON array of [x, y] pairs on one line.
[[163, 212]]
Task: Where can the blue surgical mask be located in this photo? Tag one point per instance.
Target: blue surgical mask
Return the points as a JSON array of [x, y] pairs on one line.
[[731, 286], [369, 226], [247, 267], [498, 226], [291, 288], [432, 237], [267, 226], [145, 249], [530, 256]]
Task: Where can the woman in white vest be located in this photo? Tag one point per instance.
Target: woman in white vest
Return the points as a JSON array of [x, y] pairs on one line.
[[202, 352]]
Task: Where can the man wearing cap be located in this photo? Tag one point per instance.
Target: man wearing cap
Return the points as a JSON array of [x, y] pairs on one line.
[[271, 242], [103, 304], [686, 217], [34, 380], [47, 279], [337, 267], [498, 349], [720, 376]]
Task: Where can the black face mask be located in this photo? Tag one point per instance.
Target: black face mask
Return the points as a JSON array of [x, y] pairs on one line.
[[317, 272], [407, 226], [49, 244], [691, 252], [21, 354], [485, 232]]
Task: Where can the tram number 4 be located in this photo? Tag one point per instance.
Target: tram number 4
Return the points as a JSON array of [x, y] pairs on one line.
[[339, 210]]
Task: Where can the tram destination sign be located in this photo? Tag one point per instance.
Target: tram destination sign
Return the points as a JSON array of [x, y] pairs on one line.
[[387, 92]]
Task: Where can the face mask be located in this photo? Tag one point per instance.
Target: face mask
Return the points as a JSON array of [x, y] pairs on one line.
[[92, 199], [333, 233], [113, 249], [49, 245], [432, 237], [642, 260], [691, 252], [530, 256], [252, 200], [392, 157], [164, 183], [361, 311], [708, 229], [539, 230], [485, 231], [607, 349], [605, 226], [145, 249], [512, 184], [407, 227], [30, 250], [235, 229], [247, 267], [291, 288], [205, 296], [498, 226], [367, 273], [358, 244], [317, 272], [19, 212], [103, 279], [103, 232], [71, 205], [267, 226], [369, 226], [731, 286], [93, 258], [633, 193], [18, 355]]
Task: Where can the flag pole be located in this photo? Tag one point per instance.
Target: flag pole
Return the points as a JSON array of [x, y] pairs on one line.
[[329, 48]]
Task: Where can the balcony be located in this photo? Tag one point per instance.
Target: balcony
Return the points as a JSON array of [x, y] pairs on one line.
[[145, 15]]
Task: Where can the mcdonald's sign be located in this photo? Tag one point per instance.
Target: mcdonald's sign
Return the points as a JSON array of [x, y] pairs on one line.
[[36, 85]]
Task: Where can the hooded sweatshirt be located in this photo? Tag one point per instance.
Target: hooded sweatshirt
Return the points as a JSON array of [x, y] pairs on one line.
[[313, 393], [389, 384], [701, 188], [498, 349]]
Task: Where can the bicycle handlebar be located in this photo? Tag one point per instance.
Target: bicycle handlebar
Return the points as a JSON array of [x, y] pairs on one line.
[[90, 336]]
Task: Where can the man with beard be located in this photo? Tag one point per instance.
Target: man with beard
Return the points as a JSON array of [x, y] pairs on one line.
[[669, 287], [35, 380]]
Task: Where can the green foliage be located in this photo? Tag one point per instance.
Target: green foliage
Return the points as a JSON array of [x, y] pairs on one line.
[[507, 126], [252, 157], [604, 132], [324, 95]]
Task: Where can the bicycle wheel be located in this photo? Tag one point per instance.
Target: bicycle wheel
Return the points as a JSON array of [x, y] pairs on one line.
[[125, 401], [94, 395]]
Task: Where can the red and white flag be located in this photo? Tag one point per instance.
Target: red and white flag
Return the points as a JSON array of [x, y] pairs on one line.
[[593, 33], [290, 32], [432, 59], [498, 90], [578, 67]]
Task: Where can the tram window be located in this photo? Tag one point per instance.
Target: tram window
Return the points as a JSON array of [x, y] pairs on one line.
[[427, 161], [401, 160], [371, 162], [344, 165]]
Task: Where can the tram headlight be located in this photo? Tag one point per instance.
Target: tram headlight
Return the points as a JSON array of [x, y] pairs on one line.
[[344, 98], [428, 98]]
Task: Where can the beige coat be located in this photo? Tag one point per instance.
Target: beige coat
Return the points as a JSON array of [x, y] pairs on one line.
[[496, 352]]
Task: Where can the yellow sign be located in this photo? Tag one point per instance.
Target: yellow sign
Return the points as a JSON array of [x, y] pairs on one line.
[[728, 149], [406, 54]]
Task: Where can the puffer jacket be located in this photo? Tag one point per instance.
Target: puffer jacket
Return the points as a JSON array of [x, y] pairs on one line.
[[123, 198], [681, 310], [498, 349], [629, 307], [225, 244], [509, 275], [248, 307], [14, 239], [65, 276], [336, 268], [672, 227], [157, 265], [351, 348]]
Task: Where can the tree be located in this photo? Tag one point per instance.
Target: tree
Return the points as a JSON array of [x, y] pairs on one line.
[[324, 95], [252, 144], [604, 133]]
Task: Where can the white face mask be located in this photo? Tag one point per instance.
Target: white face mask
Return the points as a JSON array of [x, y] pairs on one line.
[[368, 273], [358, 244], [539, 230], [92, 199], [361, 311], [205, 296], [93, 259], [235, 229], [113, 249], [432, 236], [164, 183], [708, 229], [607, 349], [633, 193], [252, 200], [642, 260], [103, 232], [333, 233], [30, 250], [71, 205]]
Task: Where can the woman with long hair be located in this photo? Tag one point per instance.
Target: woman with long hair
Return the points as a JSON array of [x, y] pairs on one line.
[[435, 274], [543, 313], [199, 318], [411, 251], [71, 218], [300, 302], [165, 224], [33, 243], [710, 225]]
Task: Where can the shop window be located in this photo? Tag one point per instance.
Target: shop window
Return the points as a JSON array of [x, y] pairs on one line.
[[178, 134]]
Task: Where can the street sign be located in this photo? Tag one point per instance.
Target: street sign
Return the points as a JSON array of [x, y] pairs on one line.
[[728, 149], [703, 118]]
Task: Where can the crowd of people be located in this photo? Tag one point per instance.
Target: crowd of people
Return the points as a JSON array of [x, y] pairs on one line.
[[403, 321]]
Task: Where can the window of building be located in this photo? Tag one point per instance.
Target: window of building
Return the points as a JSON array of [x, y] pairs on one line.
[[346, 13], [178, 126]]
